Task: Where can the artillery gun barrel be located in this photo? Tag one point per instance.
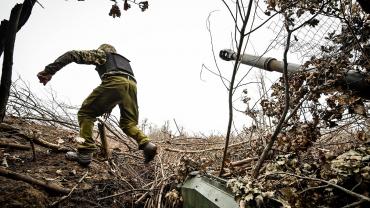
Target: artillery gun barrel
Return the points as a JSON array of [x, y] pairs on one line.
[[266, 63], [354, 81]]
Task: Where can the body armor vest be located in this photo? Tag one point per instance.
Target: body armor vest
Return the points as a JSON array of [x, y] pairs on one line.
[[115, 62]]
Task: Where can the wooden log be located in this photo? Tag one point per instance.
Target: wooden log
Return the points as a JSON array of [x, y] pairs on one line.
[[14, 146], [28, 179]]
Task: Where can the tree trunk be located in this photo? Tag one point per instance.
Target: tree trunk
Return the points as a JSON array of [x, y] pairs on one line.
[[25, 14], [6, 78]]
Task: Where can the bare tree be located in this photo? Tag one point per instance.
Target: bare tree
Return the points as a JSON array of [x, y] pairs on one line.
[[8, 29]]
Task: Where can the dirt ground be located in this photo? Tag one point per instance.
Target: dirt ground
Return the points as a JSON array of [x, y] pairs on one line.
[[125, 181], [52, 167]]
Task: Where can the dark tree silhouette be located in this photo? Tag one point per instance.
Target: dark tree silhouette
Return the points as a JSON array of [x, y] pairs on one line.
[[8, 29]]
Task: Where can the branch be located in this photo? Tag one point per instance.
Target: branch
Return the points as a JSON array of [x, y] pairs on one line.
[[17, 176], [41, 142], [70, 193], [244, 161], [213, 51], [204, 150], [14, 146], [119, 194], [354, 194], [121, 139], [286, 108], [236, 65]]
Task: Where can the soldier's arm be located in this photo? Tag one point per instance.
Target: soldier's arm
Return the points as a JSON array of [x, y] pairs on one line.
[[95, 57]]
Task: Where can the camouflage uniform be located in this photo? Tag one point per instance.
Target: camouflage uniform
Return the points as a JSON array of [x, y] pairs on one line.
[[114, 90]]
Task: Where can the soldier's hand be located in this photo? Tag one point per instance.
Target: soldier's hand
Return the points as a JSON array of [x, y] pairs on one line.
[[44, 77]]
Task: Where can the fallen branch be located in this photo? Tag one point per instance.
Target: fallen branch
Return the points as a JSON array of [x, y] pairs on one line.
[[151, 188], [41, 142], [50, 145], [193, 144], [69, 194], [119, 194], [160, 196], [204, 150], [28, 179], [191, 151], [242, 162], [14, 146], [104, 142]]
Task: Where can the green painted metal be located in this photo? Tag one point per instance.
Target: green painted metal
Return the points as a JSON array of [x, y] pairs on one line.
[[206, 191]]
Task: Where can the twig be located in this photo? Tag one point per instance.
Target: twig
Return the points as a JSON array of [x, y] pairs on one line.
[[160, 196], [357, 185], [151, 188], [312, 188], [286, 107], [69, 194], [40, 4], [354, 194], [231, 87], [17, 176], [192, 144], [144, 195], [354, 204], [115, 134], [204, 150], [33, 150], [119, 194], [104, 142], [177, 127], [160, 160]]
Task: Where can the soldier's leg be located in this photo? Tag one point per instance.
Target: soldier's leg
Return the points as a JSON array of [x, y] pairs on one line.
[[129, 120], [101, 100], [130, 115]]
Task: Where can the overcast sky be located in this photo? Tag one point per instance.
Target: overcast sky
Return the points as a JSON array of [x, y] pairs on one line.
[[167, 46]]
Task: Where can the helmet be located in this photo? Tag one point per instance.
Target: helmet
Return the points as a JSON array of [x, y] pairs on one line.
[[107, 48]]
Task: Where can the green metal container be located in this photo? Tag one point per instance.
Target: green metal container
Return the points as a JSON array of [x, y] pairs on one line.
[[207, 191]]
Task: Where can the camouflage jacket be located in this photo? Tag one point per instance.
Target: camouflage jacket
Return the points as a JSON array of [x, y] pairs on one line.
[[93, 57]]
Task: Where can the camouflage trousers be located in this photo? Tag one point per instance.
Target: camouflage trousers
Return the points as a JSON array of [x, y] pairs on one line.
[[114, 90]]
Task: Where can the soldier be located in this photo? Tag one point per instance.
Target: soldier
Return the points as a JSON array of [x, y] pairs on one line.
[[118, 86]]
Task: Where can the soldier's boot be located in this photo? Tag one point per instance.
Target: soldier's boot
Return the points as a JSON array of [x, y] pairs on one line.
[[83, 158], [150, 150]]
